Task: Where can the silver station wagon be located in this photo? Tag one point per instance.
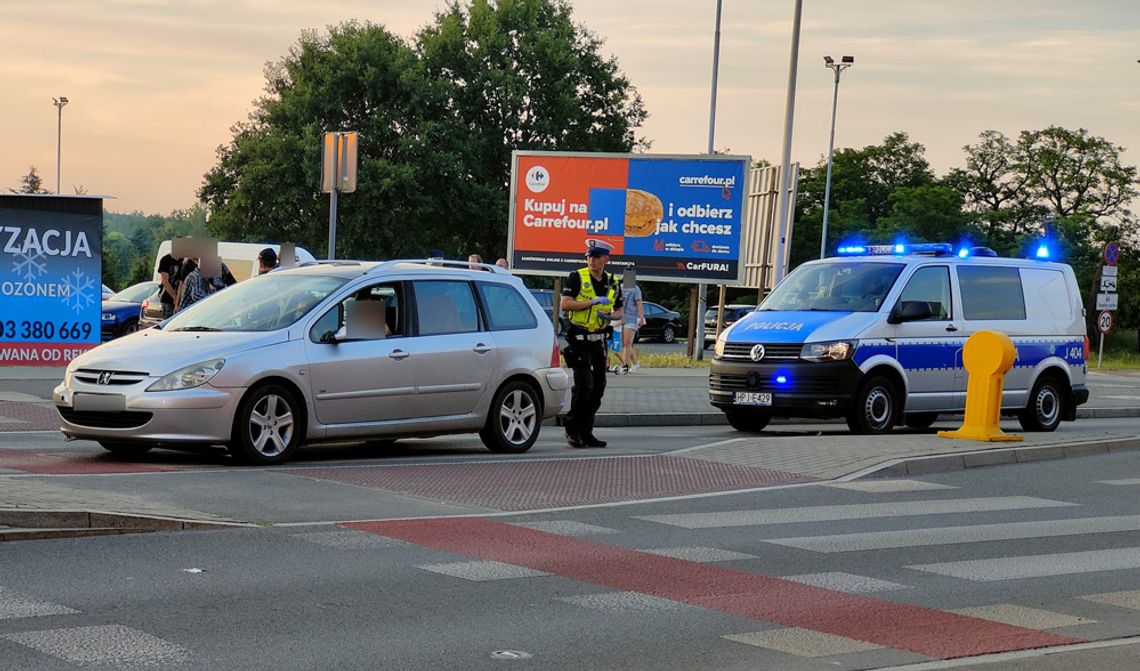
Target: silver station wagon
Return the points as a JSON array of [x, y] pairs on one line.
[[330, 351]]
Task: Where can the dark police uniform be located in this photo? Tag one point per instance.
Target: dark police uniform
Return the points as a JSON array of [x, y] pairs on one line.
[[586, 347]]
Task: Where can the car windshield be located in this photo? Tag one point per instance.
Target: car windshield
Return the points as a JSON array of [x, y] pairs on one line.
[[134, 294], [835, 287], [264, 303]]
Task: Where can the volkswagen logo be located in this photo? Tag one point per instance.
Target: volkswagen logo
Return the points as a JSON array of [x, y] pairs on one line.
[[105, 377], [757, 352]]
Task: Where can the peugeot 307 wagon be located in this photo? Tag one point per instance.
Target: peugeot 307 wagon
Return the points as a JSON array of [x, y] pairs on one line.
[[338, 350]]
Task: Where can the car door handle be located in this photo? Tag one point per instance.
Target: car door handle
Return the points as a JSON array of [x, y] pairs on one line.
[[481, 348], [399, 355], [951, 328]]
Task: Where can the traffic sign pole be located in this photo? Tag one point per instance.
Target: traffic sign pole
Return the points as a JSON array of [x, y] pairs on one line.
[[1100, 351]]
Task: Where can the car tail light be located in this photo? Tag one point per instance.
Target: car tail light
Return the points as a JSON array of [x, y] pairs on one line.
[[1086, 348], [555, 355]]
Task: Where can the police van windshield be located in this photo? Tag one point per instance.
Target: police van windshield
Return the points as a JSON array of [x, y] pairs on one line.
[[835, 287]]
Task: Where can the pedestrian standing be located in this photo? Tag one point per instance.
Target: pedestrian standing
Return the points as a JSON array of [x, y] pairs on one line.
[[170, 277], [633, 319], [266, 261], [502, 263], [592, 298]]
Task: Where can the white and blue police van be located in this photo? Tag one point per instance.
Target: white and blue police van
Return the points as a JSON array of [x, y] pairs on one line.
[[875, 335]]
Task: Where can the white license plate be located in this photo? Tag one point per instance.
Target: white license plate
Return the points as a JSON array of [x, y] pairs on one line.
[[99, 402], [752, 398]]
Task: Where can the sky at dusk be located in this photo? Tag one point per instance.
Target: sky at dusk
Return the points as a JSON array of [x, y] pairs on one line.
[[154, 85]]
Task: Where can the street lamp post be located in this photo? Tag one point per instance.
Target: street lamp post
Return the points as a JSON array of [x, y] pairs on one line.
[[59, 103], [845, 62]]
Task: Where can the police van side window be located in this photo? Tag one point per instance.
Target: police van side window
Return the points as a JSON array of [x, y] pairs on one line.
[[1047, 294], [930, 285], [990, 292]]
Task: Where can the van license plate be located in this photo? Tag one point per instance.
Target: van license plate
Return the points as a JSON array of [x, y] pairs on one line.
[[752, 398]]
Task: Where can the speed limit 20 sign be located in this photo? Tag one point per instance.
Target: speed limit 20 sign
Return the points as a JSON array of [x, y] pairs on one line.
[[1104, 322]]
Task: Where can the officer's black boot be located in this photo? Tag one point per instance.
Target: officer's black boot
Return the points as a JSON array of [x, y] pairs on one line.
[[573, 438], [590, 440]]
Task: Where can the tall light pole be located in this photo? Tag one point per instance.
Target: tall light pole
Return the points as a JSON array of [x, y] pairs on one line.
[[845, 62], [697, 345], [784, 200], [59, 103]]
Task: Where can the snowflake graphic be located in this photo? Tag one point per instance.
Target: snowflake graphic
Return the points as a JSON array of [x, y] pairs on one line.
[[30, 266], [80, 291]]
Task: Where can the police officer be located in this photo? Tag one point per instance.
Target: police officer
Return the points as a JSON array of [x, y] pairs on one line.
[[592, 297]]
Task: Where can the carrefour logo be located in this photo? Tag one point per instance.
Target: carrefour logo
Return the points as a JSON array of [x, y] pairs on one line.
[[537, 179]]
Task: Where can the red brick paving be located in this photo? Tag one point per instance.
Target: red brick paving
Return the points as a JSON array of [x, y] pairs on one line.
[[538, 484], [28, 416], [71, 464]]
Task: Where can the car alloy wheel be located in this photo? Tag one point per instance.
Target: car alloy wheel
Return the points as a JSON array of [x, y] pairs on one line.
[[513, 420], [668, 334], [266, 428]]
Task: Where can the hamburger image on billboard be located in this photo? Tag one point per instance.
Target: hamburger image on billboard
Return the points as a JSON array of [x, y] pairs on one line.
[[643, 211]]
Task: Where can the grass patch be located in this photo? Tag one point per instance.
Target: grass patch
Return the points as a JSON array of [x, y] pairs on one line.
[[1115, 361]]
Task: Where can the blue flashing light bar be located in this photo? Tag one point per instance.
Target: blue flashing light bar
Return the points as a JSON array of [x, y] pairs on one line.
[[1043, 252], [963, 253], [898, 249]]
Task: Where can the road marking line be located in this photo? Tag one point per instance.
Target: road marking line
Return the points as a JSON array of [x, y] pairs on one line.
[[567, 528], [1128, 599], [1036, 566], [701, 555], [481, 571], [885, 486], [741, 518], [802, 642], [107, 644], [896, 625], [1023, 616], [623, 603], [1130, 481], [997, 658], [979, 533], [13, 606], [846, 582], [706, 446], [346, 539]]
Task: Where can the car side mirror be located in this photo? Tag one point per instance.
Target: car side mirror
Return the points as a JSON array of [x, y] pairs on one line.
[[910, 311]]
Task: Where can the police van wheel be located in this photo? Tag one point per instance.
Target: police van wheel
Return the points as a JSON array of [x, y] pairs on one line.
[[749, 421], [876, 407], [1046, 407], [920, 420]]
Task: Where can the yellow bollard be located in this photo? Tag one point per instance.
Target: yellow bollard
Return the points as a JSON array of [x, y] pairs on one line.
[[988, 355]]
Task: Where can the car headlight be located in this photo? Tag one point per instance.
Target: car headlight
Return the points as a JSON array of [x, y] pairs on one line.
[[108, 317], [189, 377], [838, 350], [721, 340]]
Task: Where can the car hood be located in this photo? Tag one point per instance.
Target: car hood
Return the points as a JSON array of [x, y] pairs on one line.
[[773, 326], [160, 352], [116, 306]]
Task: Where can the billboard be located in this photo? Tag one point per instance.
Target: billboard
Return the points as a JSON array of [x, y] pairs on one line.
[[673, 218], [50, 278]]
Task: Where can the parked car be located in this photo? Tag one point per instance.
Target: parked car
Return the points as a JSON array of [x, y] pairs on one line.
[[150, 312], [121, 310], [661, 323], [731, 314], [545, 298], [107, 292], [327, 352]]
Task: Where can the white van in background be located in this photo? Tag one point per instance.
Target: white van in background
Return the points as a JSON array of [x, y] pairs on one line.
[[239, 257]]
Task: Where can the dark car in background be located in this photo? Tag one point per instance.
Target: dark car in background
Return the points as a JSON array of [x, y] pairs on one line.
[[731, 314], [121, 310], [545, 298], [661, 323]]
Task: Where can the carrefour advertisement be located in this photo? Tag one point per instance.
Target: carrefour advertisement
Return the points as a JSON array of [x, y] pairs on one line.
[[672, 218], [50, 270]]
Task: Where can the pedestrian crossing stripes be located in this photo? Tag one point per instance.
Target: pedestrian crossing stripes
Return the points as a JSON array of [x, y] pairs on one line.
[[743, 518], [14, 606], [1036, 566], [113, 645], [883, 540]]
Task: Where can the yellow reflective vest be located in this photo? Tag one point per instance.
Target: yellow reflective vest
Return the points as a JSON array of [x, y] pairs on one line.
[[590, 319]]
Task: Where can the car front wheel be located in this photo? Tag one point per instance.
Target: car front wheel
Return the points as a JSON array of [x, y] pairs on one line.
[[876, 407], [514, 419], [1046, 407], [668, 334], [266, 429], [748, 421]]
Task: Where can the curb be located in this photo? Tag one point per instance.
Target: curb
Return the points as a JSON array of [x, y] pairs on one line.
[[716, 418], [18, 524], [940, 463]]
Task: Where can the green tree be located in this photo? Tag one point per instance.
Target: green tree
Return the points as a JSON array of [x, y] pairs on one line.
[[438, 121], [31, 183], [928, 213], [1075, 172]]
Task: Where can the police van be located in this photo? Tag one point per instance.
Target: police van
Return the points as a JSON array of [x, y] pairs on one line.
[[875, 335]]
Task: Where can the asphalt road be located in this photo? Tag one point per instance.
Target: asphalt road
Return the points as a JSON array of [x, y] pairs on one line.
[[849, 575]]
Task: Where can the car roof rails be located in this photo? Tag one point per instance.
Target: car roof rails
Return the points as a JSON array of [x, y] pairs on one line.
[[447, 263]]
